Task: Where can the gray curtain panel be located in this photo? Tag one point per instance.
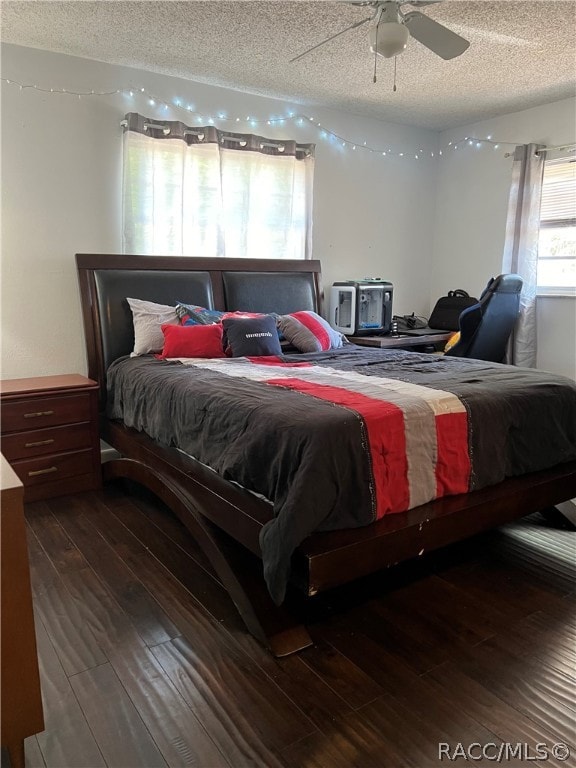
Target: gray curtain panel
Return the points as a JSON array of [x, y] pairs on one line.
[[521, 247]]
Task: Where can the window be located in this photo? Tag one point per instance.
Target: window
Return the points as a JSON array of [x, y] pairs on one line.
[[204, 192], [557, 241]]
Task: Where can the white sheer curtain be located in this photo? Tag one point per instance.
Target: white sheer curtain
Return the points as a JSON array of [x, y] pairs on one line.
[[202, 192], [521, 247]]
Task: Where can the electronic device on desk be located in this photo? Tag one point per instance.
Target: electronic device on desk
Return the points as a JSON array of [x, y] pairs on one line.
[[409, 324], [361, 307]]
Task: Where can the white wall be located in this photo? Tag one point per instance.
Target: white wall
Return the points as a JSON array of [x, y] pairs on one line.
[[472, 201], [61, 181], [425, 226]]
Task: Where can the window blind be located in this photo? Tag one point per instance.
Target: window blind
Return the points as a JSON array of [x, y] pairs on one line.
[[559, 192]]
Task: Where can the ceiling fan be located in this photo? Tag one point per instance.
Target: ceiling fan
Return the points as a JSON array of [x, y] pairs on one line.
[[391, 29]]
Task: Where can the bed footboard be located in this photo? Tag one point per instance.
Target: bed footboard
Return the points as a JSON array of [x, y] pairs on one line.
[[272, 625]]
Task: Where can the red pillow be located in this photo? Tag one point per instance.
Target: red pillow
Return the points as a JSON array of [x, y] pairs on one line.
[[192, 341]]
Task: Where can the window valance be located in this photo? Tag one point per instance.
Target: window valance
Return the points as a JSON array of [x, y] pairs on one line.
[[209, 134]]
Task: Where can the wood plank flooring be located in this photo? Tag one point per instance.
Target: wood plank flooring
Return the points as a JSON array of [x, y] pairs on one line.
[[145, 662]]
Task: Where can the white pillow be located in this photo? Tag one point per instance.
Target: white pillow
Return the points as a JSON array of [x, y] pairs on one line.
[[148, 319]]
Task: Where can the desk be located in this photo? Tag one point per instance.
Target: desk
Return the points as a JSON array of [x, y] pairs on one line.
[[401, 341]]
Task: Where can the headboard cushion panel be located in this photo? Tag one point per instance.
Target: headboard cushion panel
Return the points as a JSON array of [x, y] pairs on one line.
[[113, 286], [280, 292]]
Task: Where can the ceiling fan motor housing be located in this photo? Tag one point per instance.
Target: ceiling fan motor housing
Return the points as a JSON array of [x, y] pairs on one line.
[[388, 35]]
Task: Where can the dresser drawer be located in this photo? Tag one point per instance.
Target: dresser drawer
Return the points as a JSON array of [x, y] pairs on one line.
[[46, 469], [38, 442], [38, 412]]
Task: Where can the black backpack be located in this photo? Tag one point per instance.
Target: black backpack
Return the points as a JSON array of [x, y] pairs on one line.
[[445, 314]]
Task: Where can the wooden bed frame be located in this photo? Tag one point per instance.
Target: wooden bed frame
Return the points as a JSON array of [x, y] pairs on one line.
[[215, 510]]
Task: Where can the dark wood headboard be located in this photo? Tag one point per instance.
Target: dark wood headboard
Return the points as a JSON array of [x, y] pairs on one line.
[[258, 285]]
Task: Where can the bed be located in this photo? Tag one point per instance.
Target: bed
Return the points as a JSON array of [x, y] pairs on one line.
[[221, 483]]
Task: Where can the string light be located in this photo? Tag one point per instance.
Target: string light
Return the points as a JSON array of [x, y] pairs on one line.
[[298, 118]]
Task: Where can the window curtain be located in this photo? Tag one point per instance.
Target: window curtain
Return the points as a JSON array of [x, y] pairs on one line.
[[200, 191], [521, 247]]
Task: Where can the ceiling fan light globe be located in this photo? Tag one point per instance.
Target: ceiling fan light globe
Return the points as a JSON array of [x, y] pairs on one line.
[[389, 39]]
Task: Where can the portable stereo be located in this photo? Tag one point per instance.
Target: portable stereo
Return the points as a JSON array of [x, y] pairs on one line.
[[361, 307]]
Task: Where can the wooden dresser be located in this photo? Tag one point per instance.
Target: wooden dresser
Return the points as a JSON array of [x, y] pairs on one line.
[[21, 699], [49, 428]]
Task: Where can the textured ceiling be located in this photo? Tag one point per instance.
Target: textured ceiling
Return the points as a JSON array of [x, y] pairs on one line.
[[522, 54]]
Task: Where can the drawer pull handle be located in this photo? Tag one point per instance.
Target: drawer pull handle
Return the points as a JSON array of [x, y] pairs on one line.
[[38, 442], [38, 413], [43, 471]]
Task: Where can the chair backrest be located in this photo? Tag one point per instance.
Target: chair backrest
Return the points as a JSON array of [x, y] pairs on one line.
[[486, 326]]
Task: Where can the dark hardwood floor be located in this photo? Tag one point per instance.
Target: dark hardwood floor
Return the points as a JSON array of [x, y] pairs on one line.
[[145, 662]]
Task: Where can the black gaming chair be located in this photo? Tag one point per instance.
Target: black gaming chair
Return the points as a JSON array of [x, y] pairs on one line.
[[486, 326]]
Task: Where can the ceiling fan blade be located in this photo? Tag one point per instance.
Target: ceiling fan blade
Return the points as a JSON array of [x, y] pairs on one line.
[[352, 26], [421, 3], [435, 36]]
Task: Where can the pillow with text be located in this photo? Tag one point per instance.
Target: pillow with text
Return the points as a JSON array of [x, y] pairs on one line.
[[251, 336]]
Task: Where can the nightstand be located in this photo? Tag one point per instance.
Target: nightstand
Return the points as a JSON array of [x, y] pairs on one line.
[[49, 428]]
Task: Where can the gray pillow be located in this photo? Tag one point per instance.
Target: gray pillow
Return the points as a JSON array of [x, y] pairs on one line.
[[309, 332], [148, 318]]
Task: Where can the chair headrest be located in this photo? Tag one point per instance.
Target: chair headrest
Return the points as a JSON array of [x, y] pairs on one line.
[[504, 284]]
